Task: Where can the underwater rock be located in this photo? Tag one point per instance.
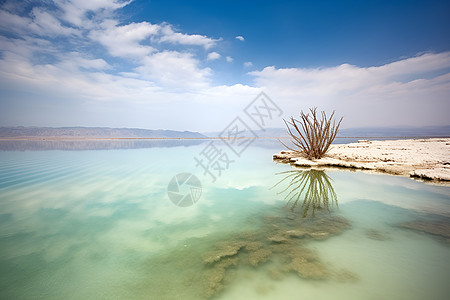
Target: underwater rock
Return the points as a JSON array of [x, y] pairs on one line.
[[258, 256], [319, 235], [346, 276], [303, 253], [376, 235], [224, 250], [332, 225], [301, 260], [213, 281], [282, 250], [278, 238], [275, 274], [439, 229], [214, 277], [278, 248], [253, 246], [306, 263], [319, 229], [296, 233], [248, 235], [308, 269], [282, 242]]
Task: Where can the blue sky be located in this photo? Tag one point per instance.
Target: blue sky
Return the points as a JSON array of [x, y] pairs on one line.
[[194, 65]]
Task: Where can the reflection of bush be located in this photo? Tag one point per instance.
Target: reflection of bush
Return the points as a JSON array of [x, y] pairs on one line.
[[314, 185]]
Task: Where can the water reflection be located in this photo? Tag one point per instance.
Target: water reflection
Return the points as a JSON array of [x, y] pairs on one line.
[[312, 186]]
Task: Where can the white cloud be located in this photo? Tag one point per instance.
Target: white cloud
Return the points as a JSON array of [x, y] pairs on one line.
[[240, 37], [77, 61], [168, 90], [39, 23], [47, 25], [75, 12], [149, 84], [125, 41], [135, 43], [406, 92], [13, 23], [74, 76], [174, 70], [95, 5], [248, 64], [24, 47], [170, 36], [213, 56]]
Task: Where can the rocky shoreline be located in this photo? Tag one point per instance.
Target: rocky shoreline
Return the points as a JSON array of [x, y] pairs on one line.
[[426, 159]]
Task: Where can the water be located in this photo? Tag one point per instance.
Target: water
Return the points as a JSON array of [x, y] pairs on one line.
[[98, 224]]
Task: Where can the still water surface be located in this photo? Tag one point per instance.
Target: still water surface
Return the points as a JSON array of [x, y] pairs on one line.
[[98, 224]]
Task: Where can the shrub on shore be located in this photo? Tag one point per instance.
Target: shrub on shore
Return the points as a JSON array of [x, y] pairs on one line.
[[312, 136]]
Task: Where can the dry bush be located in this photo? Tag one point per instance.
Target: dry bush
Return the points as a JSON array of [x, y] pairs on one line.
[[312, 136]]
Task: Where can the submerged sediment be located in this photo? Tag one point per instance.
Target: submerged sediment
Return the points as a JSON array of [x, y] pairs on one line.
[[278, 248], [204, 267], [437, 228], [427, 159]]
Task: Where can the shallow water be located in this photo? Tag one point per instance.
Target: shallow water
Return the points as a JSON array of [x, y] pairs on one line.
[[96, 224]]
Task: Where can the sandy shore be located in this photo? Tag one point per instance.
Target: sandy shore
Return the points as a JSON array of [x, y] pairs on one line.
[[427, 159]]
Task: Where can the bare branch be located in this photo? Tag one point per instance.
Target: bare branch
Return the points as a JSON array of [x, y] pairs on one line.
[[312, 136]]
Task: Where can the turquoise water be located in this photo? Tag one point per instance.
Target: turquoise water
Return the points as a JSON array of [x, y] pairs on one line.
[[98, 224]]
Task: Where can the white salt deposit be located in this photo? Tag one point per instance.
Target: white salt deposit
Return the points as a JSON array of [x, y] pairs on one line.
[[421, 158]]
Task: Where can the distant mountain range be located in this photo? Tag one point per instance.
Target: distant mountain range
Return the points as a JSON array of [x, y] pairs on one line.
[[429, 131], [93, 144], [93, 132], [440, 131], [106, 132]]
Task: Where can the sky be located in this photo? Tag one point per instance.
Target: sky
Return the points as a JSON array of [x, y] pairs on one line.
[[195, 65]]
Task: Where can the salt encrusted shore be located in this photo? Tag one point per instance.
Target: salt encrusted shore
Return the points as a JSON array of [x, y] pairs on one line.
[[421, 158]]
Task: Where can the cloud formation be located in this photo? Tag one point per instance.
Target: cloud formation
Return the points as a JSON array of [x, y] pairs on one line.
[[213, 56], [170, 36], [408, 91], [174, 70], [125, 41], [77, 63], [92, 32]]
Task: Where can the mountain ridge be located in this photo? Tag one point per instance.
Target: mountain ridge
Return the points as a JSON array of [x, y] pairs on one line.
[[93, 132], [111, 132], [398, 131]]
